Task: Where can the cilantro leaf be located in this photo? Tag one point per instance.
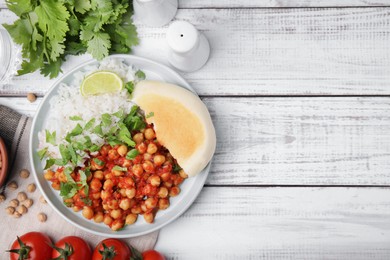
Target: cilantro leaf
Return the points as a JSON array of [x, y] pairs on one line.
[[140, 75], [151, 114], [19, 7], [49, 163], [118, 168], [130, 87], [75, 118], [132, 154], [42, 153], [99, 45], [51, 137], [98, 162], [89, 124]]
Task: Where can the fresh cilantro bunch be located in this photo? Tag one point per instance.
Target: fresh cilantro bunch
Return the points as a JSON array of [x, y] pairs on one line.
[[48, 30]]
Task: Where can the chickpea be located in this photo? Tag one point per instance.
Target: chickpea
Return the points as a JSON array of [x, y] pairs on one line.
[[163, 192], [163, 203], [122, 150], [113, 154], [136, 210], [17, 214], [99, 217], [178, 180], [42, 217], [95, 184], [10, 210], [21, 196], [56, 185], [166, 176], [128, 181], [144, 208], [104, 195], [168, 184], [107, 219], [116, 213], [137, 170], [14, 203], [104, 150], [138, 138], [126, 163], [149, 134], [22, 209], [108, 184], [159, 159], [141, 148], [117, 224], [42, 200], [151, 203], [31, 97], [152, 148], [87, 212], [122, 192], [2, 198], [174, 191], [98, 175], [12, 185], [130, 193], [154, 180], [49, 174], [105, 207], [183, 174], [124, 204], [149, 217], [62, 177], [76, 208], [147, 157], [113, 204], [131, 219], [24, 173], [31, 187], [28, 203], [148, 166], [118, 173]]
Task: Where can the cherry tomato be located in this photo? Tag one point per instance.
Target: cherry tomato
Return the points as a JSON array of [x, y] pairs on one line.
[[71, 248], [32, 246], [111, 249], [152, 255]]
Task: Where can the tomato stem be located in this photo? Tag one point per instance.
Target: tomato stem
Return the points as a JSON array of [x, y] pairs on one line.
[[23, 251], [107, 252], [64, 252]]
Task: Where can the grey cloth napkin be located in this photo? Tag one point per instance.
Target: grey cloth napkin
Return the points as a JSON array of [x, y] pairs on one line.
[[15, 130]]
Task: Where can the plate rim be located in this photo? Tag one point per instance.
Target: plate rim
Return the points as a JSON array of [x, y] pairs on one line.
[[202, 176]]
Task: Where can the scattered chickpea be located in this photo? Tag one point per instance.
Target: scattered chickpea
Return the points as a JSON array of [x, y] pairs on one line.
[[14, 203], [24, 173], [10, 210], [12, 185], [31, 97], [42, 217], [22, 210], [17, 214], [42, 200], [2, 198], [21, 196], [28, 203], [31, 187]]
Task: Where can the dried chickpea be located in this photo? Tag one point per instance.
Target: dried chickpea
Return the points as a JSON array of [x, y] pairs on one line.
[[122, 150], [42, 217], [12, 185], [31, 97], [24, 173], [152, 148], [28, 203], [174, 191], [149, 134], [131, 219], [17, 214], [99, 217], [10, 210], [138, 138], [149, 217], [22, 209], [14, 203], [2, 198], [31, 187], [42, 200], [87, 212], [21, 196]]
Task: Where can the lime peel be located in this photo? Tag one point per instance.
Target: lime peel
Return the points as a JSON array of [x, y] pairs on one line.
[[101, 82]]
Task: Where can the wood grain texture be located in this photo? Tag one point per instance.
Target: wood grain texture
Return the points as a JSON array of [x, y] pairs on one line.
[[294, 141], [270, 3], [300, 51], [282, 223]]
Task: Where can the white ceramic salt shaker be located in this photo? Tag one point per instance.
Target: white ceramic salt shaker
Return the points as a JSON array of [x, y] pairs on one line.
[[189, 49], [155, 13]]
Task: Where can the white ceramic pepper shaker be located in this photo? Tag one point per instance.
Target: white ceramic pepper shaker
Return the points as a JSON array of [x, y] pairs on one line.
[[189, 49], [155, 13]]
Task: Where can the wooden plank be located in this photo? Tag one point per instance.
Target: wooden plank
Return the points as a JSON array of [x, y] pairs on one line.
[[270, 3], [300, 51], [294, 141], [282, 223]]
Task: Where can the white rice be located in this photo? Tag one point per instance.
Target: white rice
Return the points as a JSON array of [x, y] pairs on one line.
[[69, 102]]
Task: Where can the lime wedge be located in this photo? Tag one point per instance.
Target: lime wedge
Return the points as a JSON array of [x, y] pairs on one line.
[[101, 82]]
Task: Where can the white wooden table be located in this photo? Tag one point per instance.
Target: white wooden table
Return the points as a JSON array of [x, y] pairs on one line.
[[299, 92]]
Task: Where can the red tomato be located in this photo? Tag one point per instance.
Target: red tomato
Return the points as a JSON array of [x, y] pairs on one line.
[[111, 249], [32, 246], [152, 255], [71, 248]]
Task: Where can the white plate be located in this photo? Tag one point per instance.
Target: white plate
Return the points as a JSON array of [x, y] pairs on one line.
[[190, 188]]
